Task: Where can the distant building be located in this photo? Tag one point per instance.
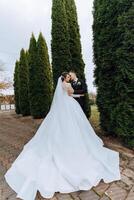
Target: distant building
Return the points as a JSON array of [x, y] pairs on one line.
[[7, 91]]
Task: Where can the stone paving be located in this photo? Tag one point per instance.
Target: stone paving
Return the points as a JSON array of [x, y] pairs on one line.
[[15, 131]]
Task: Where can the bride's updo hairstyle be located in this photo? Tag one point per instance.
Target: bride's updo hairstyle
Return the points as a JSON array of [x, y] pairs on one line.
[[64, 75]]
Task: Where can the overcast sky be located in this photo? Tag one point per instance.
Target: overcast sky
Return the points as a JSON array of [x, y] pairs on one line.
[[19, 18]]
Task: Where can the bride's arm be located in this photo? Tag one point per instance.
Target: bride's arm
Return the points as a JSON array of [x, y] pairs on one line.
[[70, 89]]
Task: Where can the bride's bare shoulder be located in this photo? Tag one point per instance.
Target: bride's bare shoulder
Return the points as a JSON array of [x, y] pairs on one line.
[[66, 85]]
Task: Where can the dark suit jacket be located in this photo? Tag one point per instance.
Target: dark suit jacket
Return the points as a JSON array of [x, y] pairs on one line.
[[79, 87]]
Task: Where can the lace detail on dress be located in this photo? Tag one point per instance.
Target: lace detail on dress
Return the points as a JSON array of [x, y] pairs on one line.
[[67, 87]]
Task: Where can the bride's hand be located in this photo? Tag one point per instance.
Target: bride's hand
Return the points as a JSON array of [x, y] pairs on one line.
[[70, 92]]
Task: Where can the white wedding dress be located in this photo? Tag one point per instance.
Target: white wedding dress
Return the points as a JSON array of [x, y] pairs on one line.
[[64, 155]]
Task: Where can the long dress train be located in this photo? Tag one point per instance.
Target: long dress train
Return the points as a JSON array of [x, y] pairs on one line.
[[64, 155]]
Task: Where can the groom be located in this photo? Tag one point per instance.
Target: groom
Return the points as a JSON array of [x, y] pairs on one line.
[[80, 89]]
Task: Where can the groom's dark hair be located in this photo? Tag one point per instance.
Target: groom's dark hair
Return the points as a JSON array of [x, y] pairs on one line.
[[72, 71]]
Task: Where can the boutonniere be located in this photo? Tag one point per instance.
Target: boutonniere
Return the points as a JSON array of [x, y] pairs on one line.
[[79, 83]]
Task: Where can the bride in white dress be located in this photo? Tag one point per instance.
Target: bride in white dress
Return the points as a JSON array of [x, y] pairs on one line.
[[65, 154]]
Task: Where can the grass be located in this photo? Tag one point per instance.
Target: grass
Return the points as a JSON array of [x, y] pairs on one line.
[[94, 115], [94, 119]]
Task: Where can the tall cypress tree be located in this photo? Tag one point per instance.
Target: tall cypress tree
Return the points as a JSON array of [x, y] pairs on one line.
[[16, 87], [123, 113], [23, 84], [105, 36], [61, 56], [109, 42], [40, 77], [77, 63], [44, 81], [32, 84]]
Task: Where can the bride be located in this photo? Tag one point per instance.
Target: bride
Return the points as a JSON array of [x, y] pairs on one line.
[[65, 154]]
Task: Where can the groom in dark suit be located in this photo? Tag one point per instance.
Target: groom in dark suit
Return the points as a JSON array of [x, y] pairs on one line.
[[80, 89]]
